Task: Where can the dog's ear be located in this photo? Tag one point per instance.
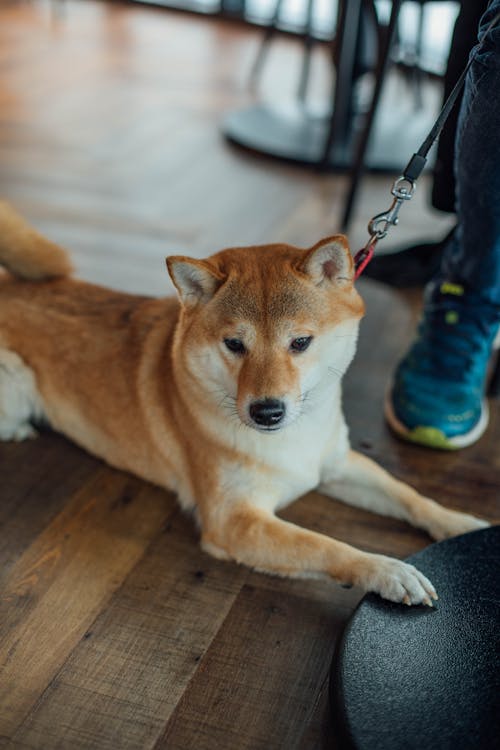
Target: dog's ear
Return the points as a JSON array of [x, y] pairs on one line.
[[329, 261], [195, 280]]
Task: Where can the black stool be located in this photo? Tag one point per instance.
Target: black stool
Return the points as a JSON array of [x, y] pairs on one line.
[[416, 677]]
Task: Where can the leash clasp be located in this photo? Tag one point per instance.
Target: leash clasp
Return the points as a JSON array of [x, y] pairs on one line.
[[402, 190]]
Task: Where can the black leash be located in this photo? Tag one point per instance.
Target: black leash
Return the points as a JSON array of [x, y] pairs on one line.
[[404, 187]]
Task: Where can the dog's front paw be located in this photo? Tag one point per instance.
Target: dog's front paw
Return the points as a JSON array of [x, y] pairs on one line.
[[448, 523], [394, 580]]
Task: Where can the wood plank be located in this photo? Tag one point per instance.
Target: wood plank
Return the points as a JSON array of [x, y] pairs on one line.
[[257, 685], [321, 733], [30, 498], [57, 587], [130, 669]]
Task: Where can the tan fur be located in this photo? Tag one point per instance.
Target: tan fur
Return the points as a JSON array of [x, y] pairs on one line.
[[25, 252], [149, 386]]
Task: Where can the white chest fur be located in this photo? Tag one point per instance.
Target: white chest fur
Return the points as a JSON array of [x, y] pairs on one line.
[[290, 462]]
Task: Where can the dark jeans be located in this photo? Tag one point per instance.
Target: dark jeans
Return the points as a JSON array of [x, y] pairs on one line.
[[473, 256], [463, 40]]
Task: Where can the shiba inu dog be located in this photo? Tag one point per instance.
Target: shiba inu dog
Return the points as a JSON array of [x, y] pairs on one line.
[[230, 396]]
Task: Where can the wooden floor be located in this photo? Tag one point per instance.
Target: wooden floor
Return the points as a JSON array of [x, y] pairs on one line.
[[116, 631]]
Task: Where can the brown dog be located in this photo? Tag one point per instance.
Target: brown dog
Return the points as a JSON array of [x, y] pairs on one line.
[[230, 397]]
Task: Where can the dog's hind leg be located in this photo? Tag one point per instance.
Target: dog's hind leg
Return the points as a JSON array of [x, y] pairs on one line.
[[361, 482], [19, 399]]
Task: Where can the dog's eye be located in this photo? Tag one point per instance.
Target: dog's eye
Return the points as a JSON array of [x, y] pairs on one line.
[[300, 344], [235, 345]]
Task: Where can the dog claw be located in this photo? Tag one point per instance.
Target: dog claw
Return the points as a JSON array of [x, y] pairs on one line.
[[397, 581]]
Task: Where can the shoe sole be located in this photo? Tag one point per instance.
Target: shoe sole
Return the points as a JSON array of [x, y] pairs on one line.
[[432, 437]]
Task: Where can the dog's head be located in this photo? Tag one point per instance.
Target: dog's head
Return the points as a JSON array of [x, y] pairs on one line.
[[265, 331]]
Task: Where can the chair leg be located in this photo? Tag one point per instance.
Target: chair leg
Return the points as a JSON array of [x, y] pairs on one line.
[[417, 70], [359, 161], [344, 60], [306, 60], [265, 43]]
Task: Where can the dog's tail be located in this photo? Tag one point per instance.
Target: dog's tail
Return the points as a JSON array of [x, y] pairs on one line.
[[27, 254]]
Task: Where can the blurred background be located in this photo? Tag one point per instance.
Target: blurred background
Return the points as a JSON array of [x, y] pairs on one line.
[[130, 131]]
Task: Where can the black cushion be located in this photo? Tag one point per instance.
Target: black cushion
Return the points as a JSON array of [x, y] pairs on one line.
[[415, 677]]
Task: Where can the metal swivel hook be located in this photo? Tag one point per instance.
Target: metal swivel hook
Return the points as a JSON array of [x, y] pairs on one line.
[[379, 225]]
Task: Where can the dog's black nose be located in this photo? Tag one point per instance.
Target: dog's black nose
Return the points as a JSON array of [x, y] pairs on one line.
[[267, 412]]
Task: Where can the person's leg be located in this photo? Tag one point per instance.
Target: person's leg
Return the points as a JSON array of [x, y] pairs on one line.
[[415, 265], [438, 394], [463, 40], [474, 257]]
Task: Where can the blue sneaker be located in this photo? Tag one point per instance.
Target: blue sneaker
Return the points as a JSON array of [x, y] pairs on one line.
[[438, 395]]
